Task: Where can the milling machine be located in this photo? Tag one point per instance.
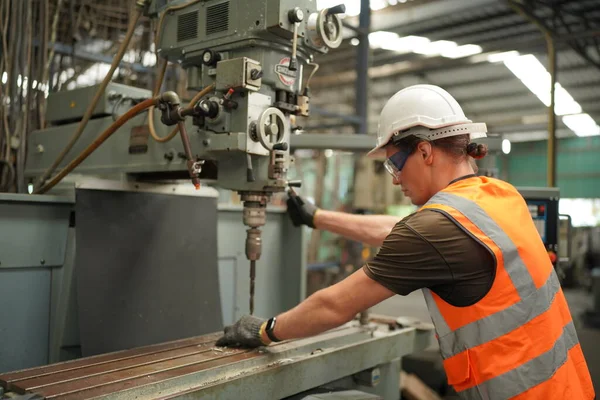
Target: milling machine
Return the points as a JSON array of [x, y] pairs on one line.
[[248, 60], [243, 49]]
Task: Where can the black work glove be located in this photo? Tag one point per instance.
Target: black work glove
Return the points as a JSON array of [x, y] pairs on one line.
[[244, 333], [301, 211]]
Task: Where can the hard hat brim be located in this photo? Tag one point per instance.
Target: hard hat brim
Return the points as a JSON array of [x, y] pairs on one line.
[[377, 151]]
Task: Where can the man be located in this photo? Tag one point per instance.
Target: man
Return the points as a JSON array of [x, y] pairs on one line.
[[501, 319]]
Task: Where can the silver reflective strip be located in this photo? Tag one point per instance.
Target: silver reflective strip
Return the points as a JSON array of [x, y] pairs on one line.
[[500, 323], [441, 327], [528, 375], [513, 264]]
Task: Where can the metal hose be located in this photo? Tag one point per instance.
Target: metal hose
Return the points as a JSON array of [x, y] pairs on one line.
[[97, 142], [88, 113]]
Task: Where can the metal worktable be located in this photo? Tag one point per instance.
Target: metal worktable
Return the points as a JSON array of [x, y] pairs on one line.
[[195, 368]]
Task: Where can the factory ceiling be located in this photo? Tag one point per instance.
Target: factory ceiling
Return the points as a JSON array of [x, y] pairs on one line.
[[487, 53]]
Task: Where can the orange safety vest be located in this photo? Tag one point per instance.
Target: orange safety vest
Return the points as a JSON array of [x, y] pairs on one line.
[[518, 342]]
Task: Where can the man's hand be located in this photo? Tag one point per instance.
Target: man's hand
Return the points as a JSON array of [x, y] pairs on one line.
[[301, 211], [244, 333]]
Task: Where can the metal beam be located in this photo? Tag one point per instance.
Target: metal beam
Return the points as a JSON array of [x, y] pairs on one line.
[[350, 119], [428, 11], [362, 66]]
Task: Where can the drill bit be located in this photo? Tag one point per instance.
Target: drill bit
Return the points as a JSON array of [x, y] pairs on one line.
[[252, 276]]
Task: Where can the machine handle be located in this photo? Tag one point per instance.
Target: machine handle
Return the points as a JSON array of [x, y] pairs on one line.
[[339, 9], [296, 183]]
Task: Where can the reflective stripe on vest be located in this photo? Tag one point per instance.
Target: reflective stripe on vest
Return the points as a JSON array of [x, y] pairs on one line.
[[533, 303], [500, 323], [528, 375]]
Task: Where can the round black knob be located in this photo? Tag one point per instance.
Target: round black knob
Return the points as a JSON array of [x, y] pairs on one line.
[[256, 74], [280, 146], [210, 58], [208, 108]]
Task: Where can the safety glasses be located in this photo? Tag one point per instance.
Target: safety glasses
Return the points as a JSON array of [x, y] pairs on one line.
[[395, 163]]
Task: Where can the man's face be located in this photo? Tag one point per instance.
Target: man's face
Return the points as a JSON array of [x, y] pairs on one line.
[[412, 178]]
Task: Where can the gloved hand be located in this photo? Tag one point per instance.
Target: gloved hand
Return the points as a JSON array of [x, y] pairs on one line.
[[244, 333], [301, 211]]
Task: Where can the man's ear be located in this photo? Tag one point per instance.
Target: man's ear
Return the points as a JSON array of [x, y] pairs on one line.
[[425, 150]]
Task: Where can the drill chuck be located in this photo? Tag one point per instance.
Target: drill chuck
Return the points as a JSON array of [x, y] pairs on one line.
[[253, 244]]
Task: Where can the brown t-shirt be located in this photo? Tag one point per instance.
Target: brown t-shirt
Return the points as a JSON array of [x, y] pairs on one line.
[[428, 250]]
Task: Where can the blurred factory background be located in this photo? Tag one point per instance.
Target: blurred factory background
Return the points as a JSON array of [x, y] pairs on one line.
[[499, 59]]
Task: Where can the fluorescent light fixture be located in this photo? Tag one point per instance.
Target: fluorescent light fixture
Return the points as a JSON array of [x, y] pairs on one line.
[[535, 77], [354, 41], [435, 48], [506, 146], [405, 44], [497, 57], [4, 77], [582, 124], [378, 4], [352, 6], [462, 51], [379, 38]]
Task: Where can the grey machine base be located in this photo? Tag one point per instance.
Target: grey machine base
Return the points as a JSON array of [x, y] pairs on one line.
[[152, 263]]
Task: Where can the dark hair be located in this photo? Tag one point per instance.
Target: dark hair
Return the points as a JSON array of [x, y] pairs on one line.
[[459, 146]]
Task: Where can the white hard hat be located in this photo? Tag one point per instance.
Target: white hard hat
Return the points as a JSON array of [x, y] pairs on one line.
[[425, 111]]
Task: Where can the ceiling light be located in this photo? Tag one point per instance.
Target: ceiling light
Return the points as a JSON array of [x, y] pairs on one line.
[[354, 41], [4, 77], [535, 77], [435, 48], [379, 38], [582, 124], [378, 4], [564, 102], [392, 2], [405, 44], [506, 146], [352, 6], [462, 51], [497, 57]]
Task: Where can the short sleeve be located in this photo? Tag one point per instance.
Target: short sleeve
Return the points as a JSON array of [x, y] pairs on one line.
[[407, 261]]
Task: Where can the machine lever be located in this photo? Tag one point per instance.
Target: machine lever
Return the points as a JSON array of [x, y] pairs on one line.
[[339, 9], [295, 16], [296, 183], [192, 165]]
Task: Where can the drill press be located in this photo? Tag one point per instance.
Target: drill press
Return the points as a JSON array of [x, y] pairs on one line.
[[253, 53]]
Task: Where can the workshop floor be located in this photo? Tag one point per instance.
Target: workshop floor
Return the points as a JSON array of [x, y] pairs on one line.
[[414, 306]]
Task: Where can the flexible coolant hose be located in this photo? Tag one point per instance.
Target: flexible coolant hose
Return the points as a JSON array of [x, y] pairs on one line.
[[173, 133], [97, 142], [88, 113]]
